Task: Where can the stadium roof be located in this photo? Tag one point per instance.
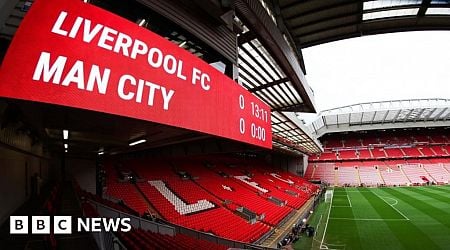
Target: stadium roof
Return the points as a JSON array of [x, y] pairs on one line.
[[268, 67], [383, 115], [291, 135], [314, 22]]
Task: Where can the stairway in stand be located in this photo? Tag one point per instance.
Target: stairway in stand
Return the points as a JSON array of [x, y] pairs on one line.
[[432, 177], [358, 176], [336, 178], [150, 206], [403, 172], [381, 176], [70, 206], [314, 171], [283, 230]]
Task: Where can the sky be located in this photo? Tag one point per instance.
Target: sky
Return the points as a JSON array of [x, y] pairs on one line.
[[391, 66]]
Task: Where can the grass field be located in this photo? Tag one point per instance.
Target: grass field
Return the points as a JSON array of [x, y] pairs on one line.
[[382, 218]]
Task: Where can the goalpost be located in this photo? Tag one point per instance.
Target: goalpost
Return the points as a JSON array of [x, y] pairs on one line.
[[328, 195], [319, 241]]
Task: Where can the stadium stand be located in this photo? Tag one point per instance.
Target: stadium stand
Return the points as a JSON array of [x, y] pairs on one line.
[[309, 173], [364, 154], [393, 176], [108, 140], [207, 220], [394, 152], [333, 144], [141, 239], [412, 152], [438, 150], [196, 195], [125, 191], [416, 174], [352, 142], [426, 151], [347, 176], [382, 159], [227, 189], [447, 167], [370, 176], [379, 153], [327, 156], [347, 154], [437, 173], [324, 172]]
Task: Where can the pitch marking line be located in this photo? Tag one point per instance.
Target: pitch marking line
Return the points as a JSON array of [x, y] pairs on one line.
[[398, 211], [395, 201], [348, 198], [336, 246], [356, 191], [326, 223], [368, 219]]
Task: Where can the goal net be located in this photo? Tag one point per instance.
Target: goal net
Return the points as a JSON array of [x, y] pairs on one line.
[[328, 195]]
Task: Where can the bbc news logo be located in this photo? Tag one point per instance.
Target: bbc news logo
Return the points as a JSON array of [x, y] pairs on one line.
[[63, 224]]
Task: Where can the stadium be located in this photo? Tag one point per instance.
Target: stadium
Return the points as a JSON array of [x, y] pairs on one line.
[[175, 124]]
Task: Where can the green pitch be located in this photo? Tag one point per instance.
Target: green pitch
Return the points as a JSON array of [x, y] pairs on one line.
[[382, 218]]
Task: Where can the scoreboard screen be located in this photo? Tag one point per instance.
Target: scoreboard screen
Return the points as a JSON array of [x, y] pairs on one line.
[[74, 54]]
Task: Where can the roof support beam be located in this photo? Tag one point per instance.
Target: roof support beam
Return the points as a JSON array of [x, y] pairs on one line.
[[330, 6], [256, 62], [325, 20], [396, 116], [409, 113], [424, 7], [268, 85], [292, 108], [297, 32], [283, 27], [314, 127], [246, 37], [265, 59], [324, 121], [429, 115], [385, 116], [255, 17], [420, 114], [447, 117], [373, 117], [440, 113], [277, 123]]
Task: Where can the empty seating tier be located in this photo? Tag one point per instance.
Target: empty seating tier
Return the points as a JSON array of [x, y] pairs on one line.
[[370, 176], [382, 158], [193, 195]]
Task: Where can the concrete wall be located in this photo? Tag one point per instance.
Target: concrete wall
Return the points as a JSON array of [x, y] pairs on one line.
[[293, 164], [16, 169], [305, 164], [20, 158]]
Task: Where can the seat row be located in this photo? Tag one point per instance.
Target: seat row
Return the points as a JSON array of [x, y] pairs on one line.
[[393, 174], [421, 151]]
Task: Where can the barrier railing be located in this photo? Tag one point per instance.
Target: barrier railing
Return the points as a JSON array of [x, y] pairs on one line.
[[105, 238]]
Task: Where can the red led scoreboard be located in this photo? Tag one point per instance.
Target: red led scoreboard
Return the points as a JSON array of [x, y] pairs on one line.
[[74, 54]]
